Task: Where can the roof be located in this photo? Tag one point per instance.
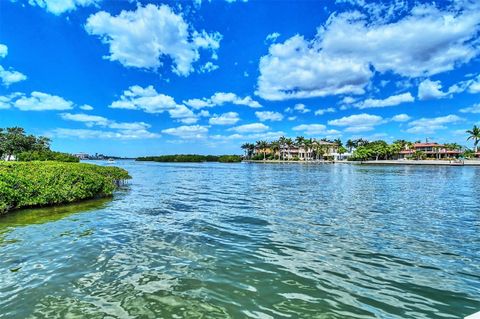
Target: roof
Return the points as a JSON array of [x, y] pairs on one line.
[[426, 145]]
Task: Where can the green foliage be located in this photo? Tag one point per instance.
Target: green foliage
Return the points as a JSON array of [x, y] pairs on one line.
[[27, 184], [230, 159], [257, 157], [192, 158], [14, 140], [46, 155]]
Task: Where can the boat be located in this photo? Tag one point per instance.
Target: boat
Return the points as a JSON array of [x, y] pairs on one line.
[[110, 161]]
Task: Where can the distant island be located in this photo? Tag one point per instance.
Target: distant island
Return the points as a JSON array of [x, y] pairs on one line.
[[191, 158]]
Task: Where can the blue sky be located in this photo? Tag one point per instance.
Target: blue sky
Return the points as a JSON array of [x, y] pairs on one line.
[[149, 77]]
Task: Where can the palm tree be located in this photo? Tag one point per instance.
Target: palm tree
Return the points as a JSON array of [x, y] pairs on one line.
[[308, 144], [281, 142], [274, 146], [475, 136], [299, 141], [263, 145], [289, 144], [245, 148], [350, 145]]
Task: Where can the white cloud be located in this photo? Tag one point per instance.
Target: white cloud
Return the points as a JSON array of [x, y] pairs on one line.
[[272, 36], [358, 122], [146, 99], [300, 108], [150, 101], [86, 107], [10, 77], [269, 116], [474, 85], [95, 120], [145, 37], [315, 129], [292, 118], [428, 90], [323, 111], [188, 132], [339, 59], [58, 7], [250, 128], [472, 109], [298, 69], [221, 98], [401, 118], [3, 50], [39, 101], [208, 67], [228, 118], [431, 125], [389, 101], [100, 134], [204, 113]]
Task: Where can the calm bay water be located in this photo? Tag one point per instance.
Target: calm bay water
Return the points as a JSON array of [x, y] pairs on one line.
[[252, 240]]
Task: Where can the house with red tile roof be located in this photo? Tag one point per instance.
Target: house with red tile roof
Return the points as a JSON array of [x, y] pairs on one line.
[[431, 150]]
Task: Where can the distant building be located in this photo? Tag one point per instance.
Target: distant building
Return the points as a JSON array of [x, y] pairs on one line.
[[433, 150], [301, 152], [8, 158], [82, 156]]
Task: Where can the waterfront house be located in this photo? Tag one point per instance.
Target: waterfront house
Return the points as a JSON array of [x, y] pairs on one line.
[[317, 150], [431, 150]]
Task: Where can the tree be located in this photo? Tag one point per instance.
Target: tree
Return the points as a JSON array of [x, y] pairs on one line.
[[475, 136], [245, 148], [350, 145], [282, 142], [308, 144], [275, 146], [338, 142], [263, 145], [289, 144]]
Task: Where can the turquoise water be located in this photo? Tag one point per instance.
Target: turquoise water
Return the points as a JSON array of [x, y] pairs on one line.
[[252, 241]]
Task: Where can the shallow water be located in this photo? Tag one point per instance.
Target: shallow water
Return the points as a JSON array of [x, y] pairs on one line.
[[250, 240]]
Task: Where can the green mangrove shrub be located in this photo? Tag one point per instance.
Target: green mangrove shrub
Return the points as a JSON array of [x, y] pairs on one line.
[[29, 184]]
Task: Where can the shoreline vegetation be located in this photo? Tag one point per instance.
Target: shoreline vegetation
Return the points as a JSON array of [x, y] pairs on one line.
[[32, 175], [39, 184], [191, 158]]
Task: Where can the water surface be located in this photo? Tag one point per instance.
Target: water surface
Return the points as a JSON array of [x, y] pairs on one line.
[[250, 240]]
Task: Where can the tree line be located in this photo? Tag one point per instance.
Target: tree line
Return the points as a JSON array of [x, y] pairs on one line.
[[16, 144]]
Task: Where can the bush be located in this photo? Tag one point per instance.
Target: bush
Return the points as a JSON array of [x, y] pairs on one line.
[[230, 159], [28, 184], [46, 155]]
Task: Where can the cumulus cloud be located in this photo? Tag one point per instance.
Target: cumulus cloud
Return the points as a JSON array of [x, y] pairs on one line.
[[431, 125], [228, 118], [340, 58], [471, 109], [145, 37], [250, 128], [38, 101], [272, 36], [187, 131], [86, 107], [3, 50], [150, 101], [58, 7], [323, 111], [315, 129], [389, 101], [358, 122], [221, 98], [96, 120], [428, 89], [269, 116], [401, 118], [101, 134], [300, 108], [9, 76]]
